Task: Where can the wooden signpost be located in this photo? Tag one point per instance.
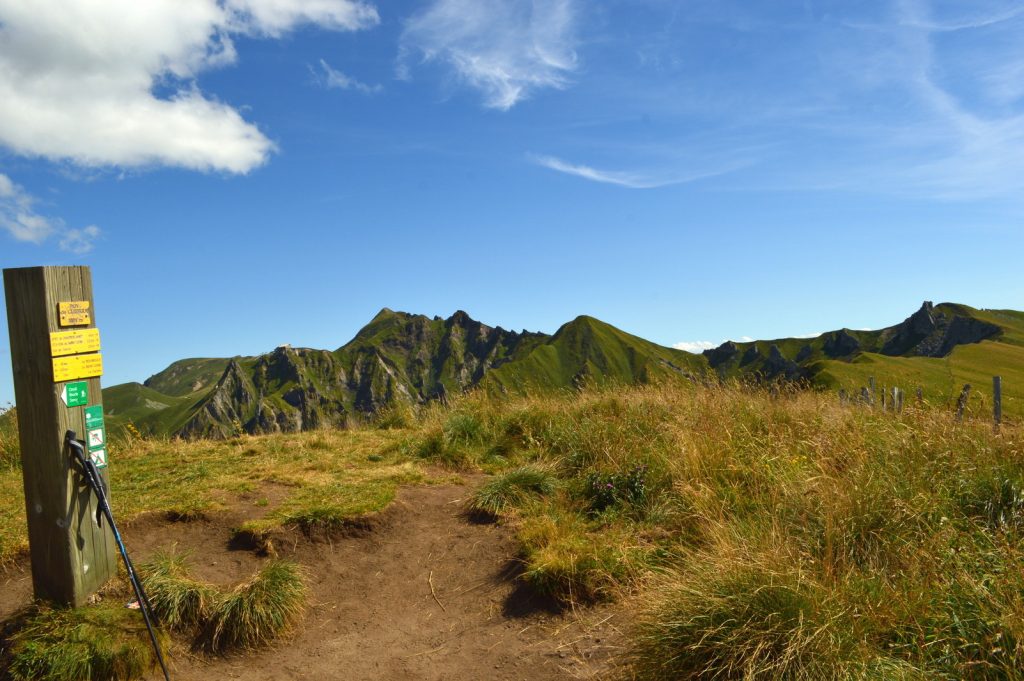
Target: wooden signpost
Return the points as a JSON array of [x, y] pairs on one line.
[[57, 366]]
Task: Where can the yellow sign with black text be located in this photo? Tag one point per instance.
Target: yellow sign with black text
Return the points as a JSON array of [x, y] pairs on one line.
[[75, 313], [74, 342], [77, 366]]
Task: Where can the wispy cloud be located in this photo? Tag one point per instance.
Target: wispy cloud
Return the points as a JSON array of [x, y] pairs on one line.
[[984, 150], [79, 77], [697, 347], [331, 78], [19, 218], [506, 49], [631, 180]]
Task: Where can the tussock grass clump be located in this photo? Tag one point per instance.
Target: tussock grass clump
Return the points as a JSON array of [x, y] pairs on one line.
[[750, 617], [10, 447], [397, 416], [96, 643], [259, 610], [513, 489], [574, 561], [180, 602]]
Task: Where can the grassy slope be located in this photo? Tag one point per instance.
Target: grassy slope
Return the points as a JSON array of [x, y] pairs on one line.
[[596, 352], [332, 474], [943, 378], [150, 411], [181, 378]]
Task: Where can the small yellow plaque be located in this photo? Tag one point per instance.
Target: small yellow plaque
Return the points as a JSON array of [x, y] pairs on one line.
[[75, 313], [77, 366], [74, 342]]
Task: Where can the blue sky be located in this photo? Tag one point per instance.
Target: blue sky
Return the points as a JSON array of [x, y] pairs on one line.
[[245, 173]]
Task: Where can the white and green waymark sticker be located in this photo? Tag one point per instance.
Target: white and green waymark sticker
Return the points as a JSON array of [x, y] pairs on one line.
[[75, 394], [96, 435]]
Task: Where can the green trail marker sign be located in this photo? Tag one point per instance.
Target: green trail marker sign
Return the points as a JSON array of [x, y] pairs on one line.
[[94, 417], [96, 435], [75, 394]]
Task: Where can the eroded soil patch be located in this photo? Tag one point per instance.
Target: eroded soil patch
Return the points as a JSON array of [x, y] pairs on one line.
[[423, 593]]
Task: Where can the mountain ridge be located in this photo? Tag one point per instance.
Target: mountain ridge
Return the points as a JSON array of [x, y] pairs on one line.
[[415, 359]]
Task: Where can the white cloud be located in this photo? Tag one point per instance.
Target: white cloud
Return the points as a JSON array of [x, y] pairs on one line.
[[19, 218], [78, 77], [809, 335], [331, 78], [696, 347], [505, 48], [630, 180], [79, 241]]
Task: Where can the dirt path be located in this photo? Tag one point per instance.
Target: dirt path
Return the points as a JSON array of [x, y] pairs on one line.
[[372, 614]]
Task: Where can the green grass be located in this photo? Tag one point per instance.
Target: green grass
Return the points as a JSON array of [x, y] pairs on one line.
[[513, 489], [260, 610], [764, 533], [105, 642], [326, 476], [252, 614], [10, 449], [180, 602], [151, 412], [187, 376]]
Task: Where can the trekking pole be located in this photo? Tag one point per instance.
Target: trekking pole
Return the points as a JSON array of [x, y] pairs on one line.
[[92, 476]]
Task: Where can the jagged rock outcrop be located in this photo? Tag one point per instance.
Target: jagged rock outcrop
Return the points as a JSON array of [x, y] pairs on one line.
[[722, 354], [806, 352], [777, 366], [906, 336], [751, 355], [397, 357], [935, 332], [840, 344]]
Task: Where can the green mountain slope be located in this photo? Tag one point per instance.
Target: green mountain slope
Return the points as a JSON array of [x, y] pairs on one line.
[[586, 350], [939, 348], [187, 376], [148, 410]]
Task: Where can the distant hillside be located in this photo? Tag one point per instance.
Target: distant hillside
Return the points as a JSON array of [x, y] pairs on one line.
[[401, 357], [586, 350], [939, 348]]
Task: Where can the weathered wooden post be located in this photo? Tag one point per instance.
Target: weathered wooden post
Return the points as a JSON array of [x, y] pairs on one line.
[[55, 356], [997, 400], [920, 396], [961, 403], [871, 389]]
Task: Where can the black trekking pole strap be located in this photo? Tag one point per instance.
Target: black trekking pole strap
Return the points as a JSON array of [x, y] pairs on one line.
[[95, 481]]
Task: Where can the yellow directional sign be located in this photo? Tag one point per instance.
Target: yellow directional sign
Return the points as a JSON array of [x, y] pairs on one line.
[[77, 366], [75, 313], [74, 342]]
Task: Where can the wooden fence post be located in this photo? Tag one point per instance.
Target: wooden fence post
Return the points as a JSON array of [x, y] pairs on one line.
[[997, 400], [961, 403], [871, 389], [56, 363]]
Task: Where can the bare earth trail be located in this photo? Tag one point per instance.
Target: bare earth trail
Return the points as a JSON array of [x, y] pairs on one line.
[[422, 594]]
